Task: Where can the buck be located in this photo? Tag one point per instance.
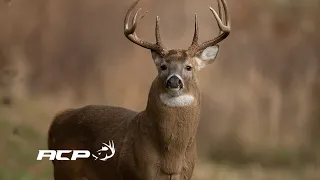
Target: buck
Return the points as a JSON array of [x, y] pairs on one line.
[[157, 143]]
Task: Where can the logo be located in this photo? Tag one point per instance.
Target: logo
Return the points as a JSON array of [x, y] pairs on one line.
[[76, 154], [105, 148]]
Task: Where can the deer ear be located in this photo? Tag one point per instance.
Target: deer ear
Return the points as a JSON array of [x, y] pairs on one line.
[[156, 57], [207, 56]]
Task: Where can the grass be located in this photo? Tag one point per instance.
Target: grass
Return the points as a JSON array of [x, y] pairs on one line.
[[19, 149], [21, 140], [279, 157], [208, 171]]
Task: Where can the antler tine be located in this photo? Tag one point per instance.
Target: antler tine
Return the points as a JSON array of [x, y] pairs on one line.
[[130, 32], [157, 32], [224, 29], [196, 31], [220, 13]]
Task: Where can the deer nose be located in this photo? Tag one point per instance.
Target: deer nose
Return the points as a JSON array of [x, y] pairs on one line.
[[174, 82]]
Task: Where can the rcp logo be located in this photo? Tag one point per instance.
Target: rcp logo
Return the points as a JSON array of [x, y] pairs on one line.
[[76, 154], [105, 148]]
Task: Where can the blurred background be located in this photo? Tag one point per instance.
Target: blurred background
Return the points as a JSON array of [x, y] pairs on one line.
[[261, 97]]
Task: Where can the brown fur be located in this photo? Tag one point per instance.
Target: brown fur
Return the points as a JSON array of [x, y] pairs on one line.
[[157, 143]]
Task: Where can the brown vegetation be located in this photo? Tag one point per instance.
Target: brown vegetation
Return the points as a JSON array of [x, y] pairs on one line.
[[262, 94]]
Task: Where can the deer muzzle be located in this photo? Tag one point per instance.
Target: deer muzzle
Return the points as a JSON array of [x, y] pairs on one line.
[[174, 82]]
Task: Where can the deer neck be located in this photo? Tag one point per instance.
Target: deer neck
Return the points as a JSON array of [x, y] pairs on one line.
[[175, 126]]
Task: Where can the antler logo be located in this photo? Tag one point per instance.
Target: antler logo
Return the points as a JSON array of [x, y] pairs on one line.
[[106, 147]]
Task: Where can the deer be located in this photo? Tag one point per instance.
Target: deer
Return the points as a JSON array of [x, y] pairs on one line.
[[158, 143]]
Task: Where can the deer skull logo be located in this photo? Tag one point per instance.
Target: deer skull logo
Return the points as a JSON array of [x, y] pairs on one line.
[[106, 147]]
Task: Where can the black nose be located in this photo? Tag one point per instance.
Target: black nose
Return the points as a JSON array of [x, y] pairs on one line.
[[174, 82]]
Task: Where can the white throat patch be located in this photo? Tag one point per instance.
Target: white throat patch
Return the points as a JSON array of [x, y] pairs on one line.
[[178, 101]]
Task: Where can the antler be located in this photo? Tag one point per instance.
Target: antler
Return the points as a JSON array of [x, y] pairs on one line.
[[224, 29], [132, 36]]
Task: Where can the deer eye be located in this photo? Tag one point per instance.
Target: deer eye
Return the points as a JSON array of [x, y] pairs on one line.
[[188, 68], [163, 67]]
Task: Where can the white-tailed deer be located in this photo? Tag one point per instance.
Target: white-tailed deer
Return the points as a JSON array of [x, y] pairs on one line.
[[155, 144]]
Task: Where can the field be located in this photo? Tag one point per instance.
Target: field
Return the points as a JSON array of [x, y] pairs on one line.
[[260, 110], [19, 149], [21, 141]]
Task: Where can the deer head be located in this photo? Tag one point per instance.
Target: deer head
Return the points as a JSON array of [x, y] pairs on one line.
[[176, 68]]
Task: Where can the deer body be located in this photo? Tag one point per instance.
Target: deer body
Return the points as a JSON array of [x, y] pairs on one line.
[[155, 144]]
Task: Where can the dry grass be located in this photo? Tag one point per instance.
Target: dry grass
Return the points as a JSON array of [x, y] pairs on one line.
[[208, 171], [261, 97]]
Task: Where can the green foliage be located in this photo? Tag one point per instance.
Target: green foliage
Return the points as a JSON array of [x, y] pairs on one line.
[[18, 152]]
